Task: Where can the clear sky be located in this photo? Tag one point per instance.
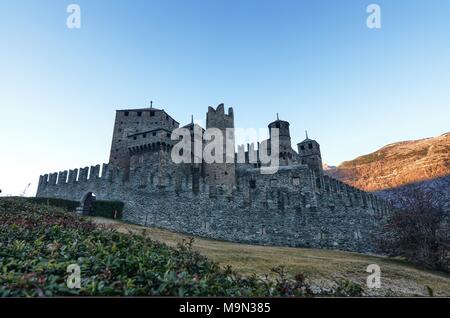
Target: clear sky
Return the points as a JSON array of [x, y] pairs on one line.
[[314, 62]]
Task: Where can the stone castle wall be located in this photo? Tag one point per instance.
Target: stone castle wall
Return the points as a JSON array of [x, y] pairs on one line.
[[293, 207]]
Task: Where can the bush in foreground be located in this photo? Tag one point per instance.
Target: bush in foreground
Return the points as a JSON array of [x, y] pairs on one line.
[[39, 242]]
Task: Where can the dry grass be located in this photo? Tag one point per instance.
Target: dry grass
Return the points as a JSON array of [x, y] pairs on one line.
[[321, 266]]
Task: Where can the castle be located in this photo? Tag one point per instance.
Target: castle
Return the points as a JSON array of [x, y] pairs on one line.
[[233, 201]]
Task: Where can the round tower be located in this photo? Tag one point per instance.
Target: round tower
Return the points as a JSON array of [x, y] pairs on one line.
[[309, 153], [286, 152]]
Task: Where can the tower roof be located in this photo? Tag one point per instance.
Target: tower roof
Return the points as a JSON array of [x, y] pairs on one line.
[[307, 139], [148, 109], [278, 121]]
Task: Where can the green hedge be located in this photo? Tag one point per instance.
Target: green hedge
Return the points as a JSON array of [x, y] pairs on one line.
[[65, 204], [108, 209]]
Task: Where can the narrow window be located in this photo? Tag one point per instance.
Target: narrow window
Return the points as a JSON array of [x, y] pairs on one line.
[[302, 147], [252, 184], [152, 114], [134, 138], [144, 136], [310, 146], [154, 134], [126, 113], [168, 135], [139, 114]]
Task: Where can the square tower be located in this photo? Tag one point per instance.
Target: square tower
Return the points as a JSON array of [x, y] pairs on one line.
[[309, 153]]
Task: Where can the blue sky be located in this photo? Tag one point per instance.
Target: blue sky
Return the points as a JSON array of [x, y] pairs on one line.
[[314, 62]]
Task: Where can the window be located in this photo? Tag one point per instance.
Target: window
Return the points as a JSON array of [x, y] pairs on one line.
[[144, 136], [277, 125], [296, 181], [310, 146], [134, 138], [126, 113], [262, 231], [302, 147], [252, 184], [139, 114], [152, 114], [154, 134], [168, 135], [120, 130]]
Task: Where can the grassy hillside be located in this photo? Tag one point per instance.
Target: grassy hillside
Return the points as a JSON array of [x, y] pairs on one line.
[[38, 243], [321, 267]]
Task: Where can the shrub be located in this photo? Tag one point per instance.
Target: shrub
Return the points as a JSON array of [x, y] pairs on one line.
[[108, 209], [419, 230], [66, 204]]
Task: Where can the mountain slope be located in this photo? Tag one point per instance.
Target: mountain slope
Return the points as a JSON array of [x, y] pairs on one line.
[[397, 164]]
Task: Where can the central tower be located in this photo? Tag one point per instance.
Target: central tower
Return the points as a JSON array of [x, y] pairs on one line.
[[223, 173]]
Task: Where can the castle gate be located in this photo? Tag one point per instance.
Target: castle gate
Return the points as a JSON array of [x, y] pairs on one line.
[[88, 203]]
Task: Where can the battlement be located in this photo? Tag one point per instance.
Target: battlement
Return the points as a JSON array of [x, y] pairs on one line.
[[352, 196], [220, 112], [85, 174]]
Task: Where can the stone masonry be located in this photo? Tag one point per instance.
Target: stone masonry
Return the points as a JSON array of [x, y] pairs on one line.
[[298, 206]]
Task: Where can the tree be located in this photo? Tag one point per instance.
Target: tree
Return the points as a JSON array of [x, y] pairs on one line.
[[419, 229]]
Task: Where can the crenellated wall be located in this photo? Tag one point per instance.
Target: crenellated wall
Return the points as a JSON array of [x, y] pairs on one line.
[[293, 207]]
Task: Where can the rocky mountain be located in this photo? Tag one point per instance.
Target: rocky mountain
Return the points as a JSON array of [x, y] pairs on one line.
[[397, 164]]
